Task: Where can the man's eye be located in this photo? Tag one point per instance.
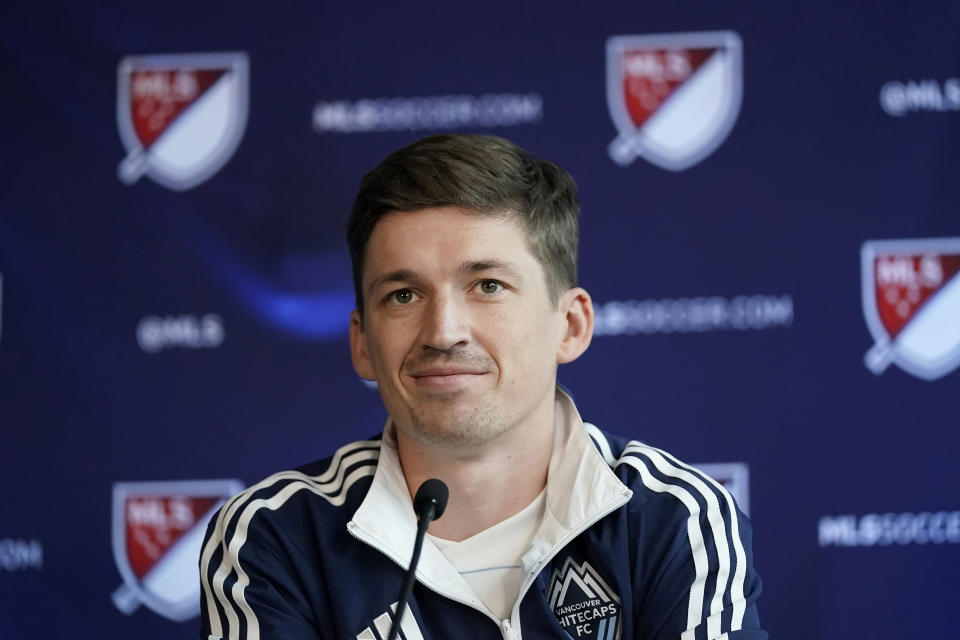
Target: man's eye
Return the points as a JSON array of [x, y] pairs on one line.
[[402, 296], [490, 286]]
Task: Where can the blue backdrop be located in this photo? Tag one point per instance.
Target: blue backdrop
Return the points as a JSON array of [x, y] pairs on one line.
[[174, 285]]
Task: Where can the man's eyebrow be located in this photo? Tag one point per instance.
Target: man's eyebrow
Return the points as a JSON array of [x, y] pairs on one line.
[[407, 276], [400, 275], [488, 264]]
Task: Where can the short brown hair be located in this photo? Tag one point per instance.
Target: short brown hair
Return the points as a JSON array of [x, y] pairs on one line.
[[485, 174]]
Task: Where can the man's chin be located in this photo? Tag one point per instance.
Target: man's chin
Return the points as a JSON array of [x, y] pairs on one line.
[[454, 426]]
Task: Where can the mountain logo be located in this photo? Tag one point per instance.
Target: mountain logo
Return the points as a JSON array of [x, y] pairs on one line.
[[584, 604]]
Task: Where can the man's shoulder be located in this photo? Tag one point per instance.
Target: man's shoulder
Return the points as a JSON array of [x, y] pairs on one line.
[[332, 480], [288, 498], [345, 463], [693, 543], [660, 482]]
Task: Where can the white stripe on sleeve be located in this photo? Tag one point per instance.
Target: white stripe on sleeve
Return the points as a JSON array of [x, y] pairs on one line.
[[331, 479], [694, 535]]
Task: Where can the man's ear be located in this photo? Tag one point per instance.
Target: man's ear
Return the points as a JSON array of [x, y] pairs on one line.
[[577, 309], [358, 348]]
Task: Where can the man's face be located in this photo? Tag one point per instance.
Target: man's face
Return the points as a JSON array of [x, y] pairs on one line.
[[458, 329]]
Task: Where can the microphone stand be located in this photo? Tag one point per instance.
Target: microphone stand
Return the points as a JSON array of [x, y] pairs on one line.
[[429, 503]]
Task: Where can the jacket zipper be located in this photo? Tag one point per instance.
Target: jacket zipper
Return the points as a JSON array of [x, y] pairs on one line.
[[547, 557]]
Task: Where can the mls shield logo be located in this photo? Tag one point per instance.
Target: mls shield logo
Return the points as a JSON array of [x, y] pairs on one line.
[[158, 530], [583, 603], [180, 117], [911, 302], [673, 97]]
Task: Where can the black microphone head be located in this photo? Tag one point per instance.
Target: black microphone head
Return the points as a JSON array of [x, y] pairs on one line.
[[432, 492]]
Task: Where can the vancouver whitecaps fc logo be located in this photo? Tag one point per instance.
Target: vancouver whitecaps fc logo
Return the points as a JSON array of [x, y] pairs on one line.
[[180, 117], [911, 302], [584, 604], [673, 97], [158, 529]]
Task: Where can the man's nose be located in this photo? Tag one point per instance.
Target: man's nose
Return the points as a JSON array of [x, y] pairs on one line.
[[446, 324]]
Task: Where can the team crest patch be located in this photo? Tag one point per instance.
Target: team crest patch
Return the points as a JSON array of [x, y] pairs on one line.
[[158, 530], [181, 117], [673, 97], [911, 303], [584, 604]]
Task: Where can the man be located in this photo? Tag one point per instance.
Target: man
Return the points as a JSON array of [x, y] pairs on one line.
[[464, 253]]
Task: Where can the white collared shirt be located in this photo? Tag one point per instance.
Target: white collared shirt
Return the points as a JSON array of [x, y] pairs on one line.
[[491, 560]]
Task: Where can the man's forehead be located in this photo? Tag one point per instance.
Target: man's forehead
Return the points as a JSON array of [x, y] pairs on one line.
[[425, 228], [450, 238], [430, 216]]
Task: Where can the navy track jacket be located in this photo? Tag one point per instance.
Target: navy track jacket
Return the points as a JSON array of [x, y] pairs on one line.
[[634, 545]]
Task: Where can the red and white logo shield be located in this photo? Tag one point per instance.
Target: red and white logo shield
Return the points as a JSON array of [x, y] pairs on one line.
[[158, 529], [673, 97], [911, 302], [180, 117]]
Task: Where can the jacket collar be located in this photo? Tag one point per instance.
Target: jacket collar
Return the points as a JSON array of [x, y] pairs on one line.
[[581, 489]]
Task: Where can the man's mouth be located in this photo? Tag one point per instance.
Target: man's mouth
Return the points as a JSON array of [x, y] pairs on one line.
[[445, 377]]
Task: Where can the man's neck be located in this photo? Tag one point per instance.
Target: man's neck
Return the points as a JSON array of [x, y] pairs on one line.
[[488, 483]]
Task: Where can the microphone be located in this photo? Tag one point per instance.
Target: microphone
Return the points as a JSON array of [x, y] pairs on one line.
[[429, 503]]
